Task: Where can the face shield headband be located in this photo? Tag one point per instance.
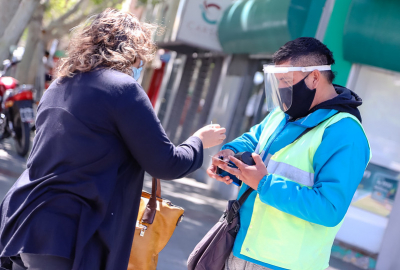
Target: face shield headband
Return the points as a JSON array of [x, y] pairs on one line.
[[279, 84]]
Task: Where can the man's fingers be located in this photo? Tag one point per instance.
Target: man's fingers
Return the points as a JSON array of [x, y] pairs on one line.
[[224, 179], [230, 170], [228, 182], [212, 169], [237, 162], [217, 162], [211, 172], [257, 159], [216, 126]]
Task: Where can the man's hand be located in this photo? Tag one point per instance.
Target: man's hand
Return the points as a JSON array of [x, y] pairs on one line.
[[211, 171], [251, 175]]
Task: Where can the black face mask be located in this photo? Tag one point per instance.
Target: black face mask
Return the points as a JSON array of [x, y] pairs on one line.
[[302, 98]]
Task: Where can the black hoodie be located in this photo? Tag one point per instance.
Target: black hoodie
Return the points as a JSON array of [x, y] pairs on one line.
[[346, 101]]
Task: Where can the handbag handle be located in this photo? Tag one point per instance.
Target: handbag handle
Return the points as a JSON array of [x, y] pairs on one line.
[[151, 207]]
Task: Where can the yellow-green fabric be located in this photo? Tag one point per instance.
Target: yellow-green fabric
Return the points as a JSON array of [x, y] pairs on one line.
[[273, 122], [278, 238]]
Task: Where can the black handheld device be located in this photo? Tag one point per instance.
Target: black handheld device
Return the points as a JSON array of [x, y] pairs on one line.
[[244, 157]]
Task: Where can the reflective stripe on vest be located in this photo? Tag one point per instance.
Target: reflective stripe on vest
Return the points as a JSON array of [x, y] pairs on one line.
[[281, 239], [291, 172]]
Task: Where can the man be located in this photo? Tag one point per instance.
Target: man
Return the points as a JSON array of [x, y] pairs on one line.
[[48, 66], [310, 153]]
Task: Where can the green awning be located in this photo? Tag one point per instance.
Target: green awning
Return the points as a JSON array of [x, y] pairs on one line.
[[372, 33], [260, 26]]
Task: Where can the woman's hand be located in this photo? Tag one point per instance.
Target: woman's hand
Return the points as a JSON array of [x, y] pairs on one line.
[[212, 170], [251, 175], [211, 135]]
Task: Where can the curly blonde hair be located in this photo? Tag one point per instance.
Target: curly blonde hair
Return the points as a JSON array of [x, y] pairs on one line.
[[112, 39]]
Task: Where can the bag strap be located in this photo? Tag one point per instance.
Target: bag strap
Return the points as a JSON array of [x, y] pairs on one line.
[[310, 128], [151, 207], [234, 210], [245, 195]]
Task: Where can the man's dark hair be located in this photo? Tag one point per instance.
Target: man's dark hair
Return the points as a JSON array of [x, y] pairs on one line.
[[306, 51]]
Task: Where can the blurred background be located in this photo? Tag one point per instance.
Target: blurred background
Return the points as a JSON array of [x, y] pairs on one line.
[[209, 68]]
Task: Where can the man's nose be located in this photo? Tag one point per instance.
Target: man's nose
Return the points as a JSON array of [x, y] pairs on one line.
[[283, 84]]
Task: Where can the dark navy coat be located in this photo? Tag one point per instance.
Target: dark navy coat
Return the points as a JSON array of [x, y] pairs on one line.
[[96, 135]]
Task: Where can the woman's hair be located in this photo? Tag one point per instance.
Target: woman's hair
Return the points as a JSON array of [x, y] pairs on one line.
[[112, 39]]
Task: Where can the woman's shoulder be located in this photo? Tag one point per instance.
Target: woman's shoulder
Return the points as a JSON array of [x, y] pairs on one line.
[[100, 85], [109, 77], [100, 77], [111, 83], [119, 90]]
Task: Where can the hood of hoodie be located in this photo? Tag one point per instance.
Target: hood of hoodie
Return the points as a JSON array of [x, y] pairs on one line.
[[346, 101]]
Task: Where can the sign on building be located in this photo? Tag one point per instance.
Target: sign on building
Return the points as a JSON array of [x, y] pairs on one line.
[[199, 23]]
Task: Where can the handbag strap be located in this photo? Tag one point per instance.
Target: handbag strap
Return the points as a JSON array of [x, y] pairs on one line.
[[151, 207]]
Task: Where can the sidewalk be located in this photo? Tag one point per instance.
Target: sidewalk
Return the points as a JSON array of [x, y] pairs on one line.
[[203, 208], [11, 166]]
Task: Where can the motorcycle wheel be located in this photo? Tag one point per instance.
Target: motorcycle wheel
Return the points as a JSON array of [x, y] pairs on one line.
[[22, 136]]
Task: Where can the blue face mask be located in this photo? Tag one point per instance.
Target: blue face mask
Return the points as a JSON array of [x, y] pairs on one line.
[[136, 71]]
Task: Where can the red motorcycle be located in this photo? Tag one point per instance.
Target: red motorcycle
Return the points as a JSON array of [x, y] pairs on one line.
[[16, 110]]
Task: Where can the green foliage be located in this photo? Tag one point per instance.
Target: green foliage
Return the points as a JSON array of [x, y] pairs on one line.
[[145, 2], [24, 36], [118, 6], [56, 8], [97, 2]]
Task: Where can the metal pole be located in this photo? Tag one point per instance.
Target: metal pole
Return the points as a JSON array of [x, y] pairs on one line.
[[195, 101], [388, 258], [180, 98]]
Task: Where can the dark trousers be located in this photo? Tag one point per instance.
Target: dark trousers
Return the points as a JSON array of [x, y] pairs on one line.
[[28, 261]]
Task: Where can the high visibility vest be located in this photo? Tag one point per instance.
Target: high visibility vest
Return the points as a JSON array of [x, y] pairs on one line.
[[281, 239]]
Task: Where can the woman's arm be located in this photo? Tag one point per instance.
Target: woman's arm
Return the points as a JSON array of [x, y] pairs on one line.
[[147, 141]]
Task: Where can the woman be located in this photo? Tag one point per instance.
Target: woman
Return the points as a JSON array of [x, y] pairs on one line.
[[75, 206]]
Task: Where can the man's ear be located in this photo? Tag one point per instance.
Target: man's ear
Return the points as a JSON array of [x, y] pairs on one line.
[[314, 79]]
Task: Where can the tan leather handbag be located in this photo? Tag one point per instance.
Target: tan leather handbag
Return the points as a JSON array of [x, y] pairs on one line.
[[156, 222]]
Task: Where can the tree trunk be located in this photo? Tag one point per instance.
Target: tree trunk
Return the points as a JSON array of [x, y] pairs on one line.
[[16, 27], [26, 73], [37, 64], [7, 11]]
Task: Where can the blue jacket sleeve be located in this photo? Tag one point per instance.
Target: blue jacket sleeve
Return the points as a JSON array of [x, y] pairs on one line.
[[248, 141], [339, 164]]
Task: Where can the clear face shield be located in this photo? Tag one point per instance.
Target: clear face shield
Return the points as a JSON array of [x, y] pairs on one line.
[[279, 84]]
